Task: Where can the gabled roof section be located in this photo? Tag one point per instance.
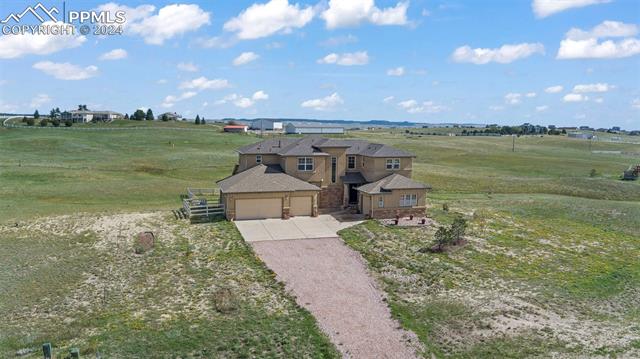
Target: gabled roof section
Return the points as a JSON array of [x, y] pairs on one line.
[[263, 178], [392, 182], [312, 146]]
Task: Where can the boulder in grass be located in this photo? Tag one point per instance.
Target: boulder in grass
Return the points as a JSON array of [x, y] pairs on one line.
[[144, 242]]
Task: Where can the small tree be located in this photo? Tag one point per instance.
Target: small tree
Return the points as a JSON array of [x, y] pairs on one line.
[[149, 115], [24, 119], [126, 116], [30, 121], [139, 115], [593, 173], [164, 117], [458, 228], [443, 237], [202, 121], [197, 120], [68, 123], [55, 122], [36, 115], [44, 122]]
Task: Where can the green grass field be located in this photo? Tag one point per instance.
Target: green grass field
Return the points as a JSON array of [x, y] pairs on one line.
[[550, 244]]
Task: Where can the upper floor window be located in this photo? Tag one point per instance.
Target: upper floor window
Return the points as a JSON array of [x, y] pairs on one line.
[[351, 162], [393, 163], [305, 163], [408, 200], [258, 159], [334, 168]]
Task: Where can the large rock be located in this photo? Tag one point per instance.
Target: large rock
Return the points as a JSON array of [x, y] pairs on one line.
[[144, 242]]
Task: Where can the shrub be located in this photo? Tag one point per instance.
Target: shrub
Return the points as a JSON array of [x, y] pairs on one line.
[[24, 119], [445, 207], [458, 228], [593, 173], [55, 123], [30, 121], [443, 237], [44, 122], [68, 123]]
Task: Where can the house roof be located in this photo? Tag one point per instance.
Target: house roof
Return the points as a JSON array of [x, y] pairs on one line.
[[353, 177], [391, 182], [312, 146], [263, 178]]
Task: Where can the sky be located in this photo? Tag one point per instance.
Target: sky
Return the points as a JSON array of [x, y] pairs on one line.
[[563, 62]]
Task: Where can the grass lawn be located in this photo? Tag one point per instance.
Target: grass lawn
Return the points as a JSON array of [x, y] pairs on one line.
[[550, 266], [551, 261]]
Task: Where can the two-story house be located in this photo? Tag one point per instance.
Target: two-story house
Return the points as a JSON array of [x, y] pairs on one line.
[[284, 177]]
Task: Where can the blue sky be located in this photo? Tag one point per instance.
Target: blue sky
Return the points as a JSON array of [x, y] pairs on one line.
[[541, 61]]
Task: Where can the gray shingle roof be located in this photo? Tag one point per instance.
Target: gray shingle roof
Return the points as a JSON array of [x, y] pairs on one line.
[[353, 177], [391, 182], [312, 146], [263, 178]]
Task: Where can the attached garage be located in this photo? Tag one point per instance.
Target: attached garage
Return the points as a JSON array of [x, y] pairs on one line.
[[300, 206], [258, 208]]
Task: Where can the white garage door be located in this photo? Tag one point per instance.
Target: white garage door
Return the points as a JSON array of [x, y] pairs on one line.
[[258, 208], [300, 206]]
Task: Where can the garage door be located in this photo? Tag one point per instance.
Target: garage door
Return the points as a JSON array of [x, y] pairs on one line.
[[258, 208], [300, 206]]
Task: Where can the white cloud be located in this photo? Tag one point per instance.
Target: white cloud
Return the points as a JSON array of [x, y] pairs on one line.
[[262, 20], [530, 94], [65, 70], [245, 58], [243, 102], [544, 8], [115, 54], [161, 81], [170, 100], [215, 42], [133, 15], [203, 83], [325, 103], [580, 44], [635, 103], [339, 40], [598, 100], [39, 100], [398, 71], [503, 55], [353, 12], [599, 87], [413, 106], [388, 99], [346, 59], [574, 97], [171, 21], [554, 89], [513, 98], [260, 95], [14, 46], [496, 108], [187, 66], [542, 108], [580, 116]]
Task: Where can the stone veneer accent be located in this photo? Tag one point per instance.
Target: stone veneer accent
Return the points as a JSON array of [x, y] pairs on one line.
[[403, 212], [331, 197]]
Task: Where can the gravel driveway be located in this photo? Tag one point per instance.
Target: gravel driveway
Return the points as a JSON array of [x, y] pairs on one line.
[[331, 281]]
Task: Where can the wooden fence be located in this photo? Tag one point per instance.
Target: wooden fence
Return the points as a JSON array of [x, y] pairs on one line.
[[202, 204]]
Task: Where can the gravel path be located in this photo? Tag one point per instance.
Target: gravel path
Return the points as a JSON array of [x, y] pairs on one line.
[[331, 281]]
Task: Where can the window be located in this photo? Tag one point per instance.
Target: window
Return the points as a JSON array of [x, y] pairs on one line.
[[258, 159], [305, 164], [381, 202], [334, 164], [393, 163], [351, 162], [408, 200]]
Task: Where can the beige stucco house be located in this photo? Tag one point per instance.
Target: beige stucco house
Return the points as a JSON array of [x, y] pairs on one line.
[[279, 178]]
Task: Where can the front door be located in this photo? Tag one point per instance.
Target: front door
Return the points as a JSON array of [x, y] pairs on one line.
[[353, 193]]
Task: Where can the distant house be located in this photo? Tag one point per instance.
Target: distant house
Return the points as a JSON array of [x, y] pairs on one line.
[[235, 128], [582, 136], [174, 116], [84, 115], [314, 129], [265, 125]]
